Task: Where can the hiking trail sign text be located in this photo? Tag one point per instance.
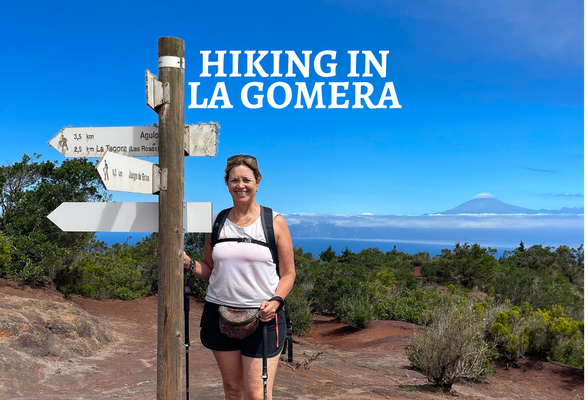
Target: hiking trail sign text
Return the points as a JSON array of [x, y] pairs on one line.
[[137, 141], [128, 174], [134, 141]]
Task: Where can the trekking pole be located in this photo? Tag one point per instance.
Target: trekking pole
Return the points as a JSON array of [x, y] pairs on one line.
[[187, 330], [264, 355]]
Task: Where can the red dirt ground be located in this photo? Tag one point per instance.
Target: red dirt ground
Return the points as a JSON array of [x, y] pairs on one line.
[[333, 361]]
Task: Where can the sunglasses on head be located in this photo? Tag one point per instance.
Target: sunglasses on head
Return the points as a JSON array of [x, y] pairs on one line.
[[245, 156]]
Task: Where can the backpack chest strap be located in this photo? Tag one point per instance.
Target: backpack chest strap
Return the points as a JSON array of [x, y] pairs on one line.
[[243, 240], [267, 223]]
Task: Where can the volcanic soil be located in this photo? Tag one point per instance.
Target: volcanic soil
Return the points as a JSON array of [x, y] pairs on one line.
[[333, 361]]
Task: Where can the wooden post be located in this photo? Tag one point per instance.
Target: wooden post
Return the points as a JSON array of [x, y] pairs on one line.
[[171, 236]]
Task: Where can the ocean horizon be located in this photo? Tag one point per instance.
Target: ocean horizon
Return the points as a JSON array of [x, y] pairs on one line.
[[316, 245], [338, 245]]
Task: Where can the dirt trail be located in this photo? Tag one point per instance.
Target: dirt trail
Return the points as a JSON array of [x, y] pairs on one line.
[[333, 361]]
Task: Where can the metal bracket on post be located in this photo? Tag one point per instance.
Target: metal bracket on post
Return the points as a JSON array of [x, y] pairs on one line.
[[185, 224], [157, 93], [161, 179]]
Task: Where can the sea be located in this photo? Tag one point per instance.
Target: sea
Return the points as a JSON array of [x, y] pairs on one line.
[[317, 245]]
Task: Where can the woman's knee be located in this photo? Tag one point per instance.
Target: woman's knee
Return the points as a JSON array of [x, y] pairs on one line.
[[229, 364], [233, 389], [252, 377]]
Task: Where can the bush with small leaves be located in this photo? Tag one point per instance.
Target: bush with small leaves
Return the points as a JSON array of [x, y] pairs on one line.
[[357, 311], [561, 338], [407, 305], [452, 346], [299, 309], [548, 332], [512, 330]]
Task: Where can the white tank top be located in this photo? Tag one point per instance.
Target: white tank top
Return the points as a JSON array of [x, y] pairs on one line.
[[244, 274]]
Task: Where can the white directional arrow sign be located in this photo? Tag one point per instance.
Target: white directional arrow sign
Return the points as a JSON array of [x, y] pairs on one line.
[[126, 217], [134, 141], [128, 174]]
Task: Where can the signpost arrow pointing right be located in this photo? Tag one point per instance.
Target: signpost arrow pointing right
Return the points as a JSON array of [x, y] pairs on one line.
[[128, 174]]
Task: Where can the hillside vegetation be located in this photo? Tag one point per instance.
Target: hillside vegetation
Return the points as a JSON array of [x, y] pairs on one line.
[[526, 301]]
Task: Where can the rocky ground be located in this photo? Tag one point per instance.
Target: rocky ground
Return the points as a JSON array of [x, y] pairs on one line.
[[55, 348]]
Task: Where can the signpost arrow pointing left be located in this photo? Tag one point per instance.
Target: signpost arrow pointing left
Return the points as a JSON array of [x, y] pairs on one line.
[[125, 217], [135, 141]]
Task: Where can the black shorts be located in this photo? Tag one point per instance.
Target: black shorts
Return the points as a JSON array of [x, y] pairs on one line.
[[213, 339]]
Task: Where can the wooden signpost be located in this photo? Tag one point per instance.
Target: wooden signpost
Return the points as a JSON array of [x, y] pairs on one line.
[[170, 140], [170, 287]]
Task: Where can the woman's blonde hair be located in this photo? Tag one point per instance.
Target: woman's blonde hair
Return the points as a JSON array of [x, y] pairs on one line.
[[242, 159]]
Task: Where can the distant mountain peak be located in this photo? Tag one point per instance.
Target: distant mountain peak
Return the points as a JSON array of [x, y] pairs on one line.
[[486, 203]]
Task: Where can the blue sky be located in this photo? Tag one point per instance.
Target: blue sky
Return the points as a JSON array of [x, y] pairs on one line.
[[491, 95]]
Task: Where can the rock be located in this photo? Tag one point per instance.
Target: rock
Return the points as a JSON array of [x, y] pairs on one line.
[[33, 331]]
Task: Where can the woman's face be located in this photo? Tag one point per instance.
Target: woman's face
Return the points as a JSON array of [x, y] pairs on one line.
[[242, 184]]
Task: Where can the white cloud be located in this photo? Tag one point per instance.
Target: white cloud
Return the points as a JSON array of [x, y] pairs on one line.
[[439, 221], [484, 196]]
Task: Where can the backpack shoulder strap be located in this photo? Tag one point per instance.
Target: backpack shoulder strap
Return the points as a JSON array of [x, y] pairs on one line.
[[267, 222], [218, 223]]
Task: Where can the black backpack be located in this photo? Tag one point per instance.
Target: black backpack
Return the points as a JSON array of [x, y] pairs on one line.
[[267, 222]]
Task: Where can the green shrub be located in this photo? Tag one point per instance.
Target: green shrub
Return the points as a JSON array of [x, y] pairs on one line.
[[406, 304], [562, 338], [125, 282], [299, 310], [5, 255], [467, 265], [452, 346], [357, 311], [325, 298], [512, 330], [29, 191], [85, 278], [551, 334]]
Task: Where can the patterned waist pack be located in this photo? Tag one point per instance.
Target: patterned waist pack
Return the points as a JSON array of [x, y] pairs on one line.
[[238, 323]]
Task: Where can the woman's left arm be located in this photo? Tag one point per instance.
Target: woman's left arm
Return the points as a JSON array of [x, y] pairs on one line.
[[286, 258]]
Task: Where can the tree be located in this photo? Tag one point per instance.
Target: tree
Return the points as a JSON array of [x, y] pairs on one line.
[[544, 262], [29, 191], [194, 247], [467, 264], [346, 254], [328, 254], [15, 179]]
